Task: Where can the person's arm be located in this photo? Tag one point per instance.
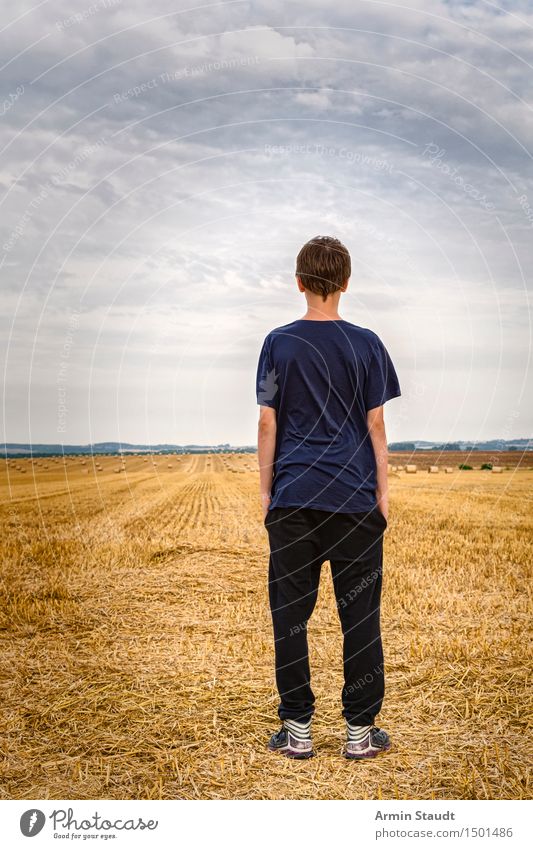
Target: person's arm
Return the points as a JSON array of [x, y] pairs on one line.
[[376, 430], [266, 447]]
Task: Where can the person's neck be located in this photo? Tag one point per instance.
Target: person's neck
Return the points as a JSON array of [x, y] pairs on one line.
[[327, 312]]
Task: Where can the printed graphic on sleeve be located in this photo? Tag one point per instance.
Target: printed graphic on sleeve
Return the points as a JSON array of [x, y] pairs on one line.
[[269, 387]]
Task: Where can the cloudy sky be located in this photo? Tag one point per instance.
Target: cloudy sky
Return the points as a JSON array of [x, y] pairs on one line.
[[162, 164]]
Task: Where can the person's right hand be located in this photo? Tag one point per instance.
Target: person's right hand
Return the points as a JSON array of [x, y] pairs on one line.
[[383, 503]]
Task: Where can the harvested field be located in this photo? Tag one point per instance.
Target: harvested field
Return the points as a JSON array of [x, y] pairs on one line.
[[137, 655], [424, 459]]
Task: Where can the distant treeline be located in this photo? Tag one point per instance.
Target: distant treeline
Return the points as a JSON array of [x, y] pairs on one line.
[[492, 445], [91, 451], [114, 449]]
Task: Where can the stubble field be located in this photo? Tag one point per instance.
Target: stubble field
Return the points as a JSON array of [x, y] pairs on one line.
[[136, 647]]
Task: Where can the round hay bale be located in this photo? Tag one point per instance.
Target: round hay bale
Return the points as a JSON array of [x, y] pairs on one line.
[[433, 470], [411, 468]]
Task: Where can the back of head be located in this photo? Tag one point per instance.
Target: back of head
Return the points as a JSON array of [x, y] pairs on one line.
[[323, 265]]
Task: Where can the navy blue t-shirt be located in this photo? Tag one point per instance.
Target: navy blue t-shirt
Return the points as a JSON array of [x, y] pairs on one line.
[[322, 377]]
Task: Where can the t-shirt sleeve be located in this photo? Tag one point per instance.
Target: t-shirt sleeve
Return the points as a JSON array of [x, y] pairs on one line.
[[381, 383], [266, 387]]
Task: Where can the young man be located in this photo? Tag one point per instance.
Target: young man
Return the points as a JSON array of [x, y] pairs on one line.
[[321, 386]]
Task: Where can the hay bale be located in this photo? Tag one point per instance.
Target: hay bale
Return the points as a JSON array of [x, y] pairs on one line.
[[410, 468], [497, 469], [448, 469], [433, 470]]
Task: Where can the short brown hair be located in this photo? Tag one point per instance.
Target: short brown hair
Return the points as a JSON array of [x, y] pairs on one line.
[[323, 265]]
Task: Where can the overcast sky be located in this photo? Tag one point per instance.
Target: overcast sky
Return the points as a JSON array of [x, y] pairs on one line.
[[162, 165]]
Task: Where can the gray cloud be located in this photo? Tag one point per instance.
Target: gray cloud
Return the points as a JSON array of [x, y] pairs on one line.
[[160, 171]]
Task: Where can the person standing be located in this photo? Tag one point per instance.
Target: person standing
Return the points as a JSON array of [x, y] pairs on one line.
[[321, 386]]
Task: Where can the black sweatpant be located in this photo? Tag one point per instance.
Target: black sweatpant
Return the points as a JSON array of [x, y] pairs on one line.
[[301, 539]]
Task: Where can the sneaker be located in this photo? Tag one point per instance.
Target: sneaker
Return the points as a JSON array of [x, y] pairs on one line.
[[293, 740], [373, 743]]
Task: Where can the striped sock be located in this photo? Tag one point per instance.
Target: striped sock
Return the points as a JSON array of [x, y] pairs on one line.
[[300, 730], [357, 733]]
